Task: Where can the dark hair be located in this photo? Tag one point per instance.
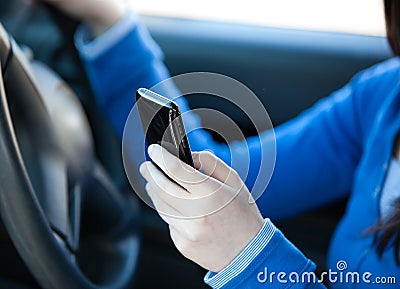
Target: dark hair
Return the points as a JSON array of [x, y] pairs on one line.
[[392, 15], [388, 230]]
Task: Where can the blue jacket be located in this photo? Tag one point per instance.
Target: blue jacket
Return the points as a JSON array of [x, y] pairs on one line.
[[341, 145]]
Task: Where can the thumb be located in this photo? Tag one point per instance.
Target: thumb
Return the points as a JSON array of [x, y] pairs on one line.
[[214, 167]]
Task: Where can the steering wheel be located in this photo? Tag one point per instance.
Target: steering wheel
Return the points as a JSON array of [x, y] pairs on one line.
[[70, 225]]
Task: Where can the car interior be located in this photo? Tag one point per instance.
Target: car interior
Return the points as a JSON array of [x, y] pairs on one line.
[[69, 218]]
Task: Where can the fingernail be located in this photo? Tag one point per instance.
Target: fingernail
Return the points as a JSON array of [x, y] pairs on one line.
[[142, 169], [147, 187], [150, 149], [154, 149]]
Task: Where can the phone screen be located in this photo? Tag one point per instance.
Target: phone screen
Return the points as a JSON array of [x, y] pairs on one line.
[[162, 124]]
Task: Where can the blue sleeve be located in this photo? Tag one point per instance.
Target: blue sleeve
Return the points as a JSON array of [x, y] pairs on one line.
[[268, 261], [316, 153]]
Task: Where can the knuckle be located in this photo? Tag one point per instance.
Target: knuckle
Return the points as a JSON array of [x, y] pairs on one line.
[[234, 177], [192, 233], [202, 222], [184, 246], [196, 156], [235, 174], [207, 156]]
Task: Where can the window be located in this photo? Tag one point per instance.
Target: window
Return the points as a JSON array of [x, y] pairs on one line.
[[349, 16]]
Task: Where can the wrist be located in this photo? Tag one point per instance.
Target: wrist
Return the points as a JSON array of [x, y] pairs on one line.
[[243, 239], [254, 229], [114, 38], [258, 244]]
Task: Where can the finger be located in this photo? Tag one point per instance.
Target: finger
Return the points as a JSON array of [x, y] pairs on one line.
[[158, 180], [213, 166], [163, 209], [168, 192], [188, 205], [189, 178]]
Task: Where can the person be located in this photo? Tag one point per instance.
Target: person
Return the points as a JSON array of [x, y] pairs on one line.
[[346, 144]]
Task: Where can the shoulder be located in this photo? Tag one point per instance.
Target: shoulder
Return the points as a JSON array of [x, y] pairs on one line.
[[371, 88], [381, 75]]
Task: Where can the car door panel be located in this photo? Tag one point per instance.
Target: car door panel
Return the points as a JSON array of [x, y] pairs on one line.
[[287, 69]]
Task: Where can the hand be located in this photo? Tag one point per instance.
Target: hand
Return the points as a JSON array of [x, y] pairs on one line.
[[211, 214], [99, 15]]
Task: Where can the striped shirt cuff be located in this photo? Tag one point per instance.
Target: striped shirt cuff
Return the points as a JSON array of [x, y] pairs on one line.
[[90, 49], [240, 263]]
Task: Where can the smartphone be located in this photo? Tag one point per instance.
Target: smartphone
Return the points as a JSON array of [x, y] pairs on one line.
[[162, 124]]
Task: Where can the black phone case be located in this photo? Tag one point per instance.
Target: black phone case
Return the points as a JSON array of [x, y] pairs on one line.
[[162, 124]]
